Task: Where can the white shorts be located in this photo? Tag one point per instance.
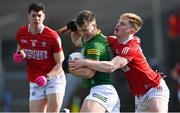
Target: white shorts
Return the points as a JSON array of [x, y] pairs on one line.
[[56, 85], [141, 102], [107, 96]]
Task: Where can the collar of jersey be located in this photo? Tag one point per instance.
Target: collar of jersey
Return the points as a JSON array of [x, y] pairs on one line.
[[128, 39], [41, 30]]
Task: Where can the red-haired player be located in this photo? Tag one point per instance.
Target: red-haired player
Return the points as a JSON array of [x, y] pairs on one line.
[[148, 86]]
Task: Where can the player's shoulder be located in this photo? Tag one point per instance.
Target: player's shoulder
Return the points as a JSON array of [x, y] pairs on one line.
[[22, 29], [50, 32], [132, 46], [112, 37], [133, 43]]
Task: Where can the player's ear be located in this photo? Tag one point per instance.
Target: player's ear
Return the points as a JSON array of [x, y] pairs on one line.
[[44, 16], [28, 16], [132, 31]]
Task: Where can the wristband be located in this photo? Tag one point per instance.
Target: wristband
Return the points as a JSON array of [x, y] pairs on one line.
[[48, 77]]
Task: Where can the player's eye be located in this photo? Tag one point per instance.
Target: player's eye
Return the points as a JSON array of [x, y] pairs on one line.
[[122, 24], [35, 15]]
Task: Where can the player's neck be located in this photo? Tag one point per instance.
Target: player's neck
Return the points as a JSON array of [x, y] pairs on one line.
[[36, 30], [124, 40], [94, 33]]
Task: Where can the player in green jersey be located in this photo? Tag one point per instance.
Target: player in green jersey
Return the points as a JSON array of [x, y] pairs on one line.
[[103, 96]]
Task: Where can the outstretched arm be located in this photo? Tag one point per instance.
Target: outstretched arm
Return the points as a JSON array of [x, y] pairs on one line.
[[75, 35], [102, 66]]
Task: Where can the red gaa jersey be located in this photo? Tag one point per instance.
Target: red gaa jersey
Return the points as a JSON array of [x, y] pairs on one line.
[[39, 50], [137, 72]]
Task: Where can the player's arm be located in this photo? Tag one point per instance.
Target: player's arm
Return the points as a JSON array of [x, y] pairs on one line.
[[76, 39], [102, 66], [108, 66], [19, 55], [82, 72], [75, 35], [59, 58], [20, 51]]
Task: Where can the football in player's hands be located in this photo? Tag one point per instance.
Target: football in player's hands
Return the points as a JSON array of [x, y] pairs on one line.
[[75, 55]]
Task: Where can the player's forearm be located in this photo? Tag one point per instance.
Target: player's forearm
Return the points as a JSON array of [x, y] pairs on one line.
[[102, 66], [56, 70], [82, 72]]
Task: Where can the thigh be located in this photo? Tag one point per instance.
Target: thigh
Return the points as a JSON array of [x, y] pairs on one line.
[[57, 84], [154, 100], [158, 98], [106, 96], [141, 104], [38, 105], [92, 106], [54, 102], [36, 92], [55, 90], [158, 105], [37, 98]]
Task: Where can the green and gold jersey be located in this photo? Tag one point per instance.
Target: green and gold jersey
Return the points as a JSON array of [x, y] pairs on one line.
[[97, 48]]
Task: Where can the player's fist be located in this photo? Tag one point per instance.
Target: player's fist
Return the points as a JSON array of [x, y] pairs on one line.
[[17, 57], [41, 81], [71, 25]]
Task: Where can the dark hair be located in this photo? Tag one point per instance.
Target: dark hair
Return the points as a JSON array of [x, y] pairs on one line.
[[36, 6], [85, 17]]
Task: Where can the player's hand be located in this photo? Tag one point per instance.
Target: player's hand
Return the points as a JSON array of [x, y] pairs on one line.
[[76, 64], [41, 81], [71, 26], [17, 57]]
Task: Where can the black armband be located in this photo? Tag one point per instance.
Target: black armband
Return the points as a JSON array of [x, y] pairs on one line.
[[65, 65], [71, 25]]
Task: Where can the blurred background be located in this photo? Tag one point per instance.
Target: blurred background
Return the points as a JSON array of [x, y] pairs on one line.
[[160, 37]]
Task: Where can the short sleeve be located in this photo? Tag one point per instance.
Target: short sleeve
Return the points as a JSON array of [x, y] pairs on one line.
[[57, 46], [111, 40], [94, 51], [128, 52]]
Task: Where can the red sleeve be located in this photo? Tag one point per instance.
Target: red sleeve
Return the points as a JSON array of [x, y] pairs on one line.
[[130, 51], [111, 40], [57, 46], [21, 31]]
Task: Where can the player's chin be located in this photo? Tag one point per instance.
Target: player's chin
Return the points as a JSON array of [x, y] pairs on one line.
[[115, 33]]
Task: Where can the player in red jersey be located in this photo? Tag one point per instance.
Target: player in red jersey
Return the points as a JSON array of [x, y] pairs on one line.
[[41, 47], [150, 90]]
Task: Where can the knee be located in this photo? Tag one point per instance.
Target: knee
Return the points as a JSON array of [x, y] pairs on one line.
[[155, 109], [158, 108], [55, 107]]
